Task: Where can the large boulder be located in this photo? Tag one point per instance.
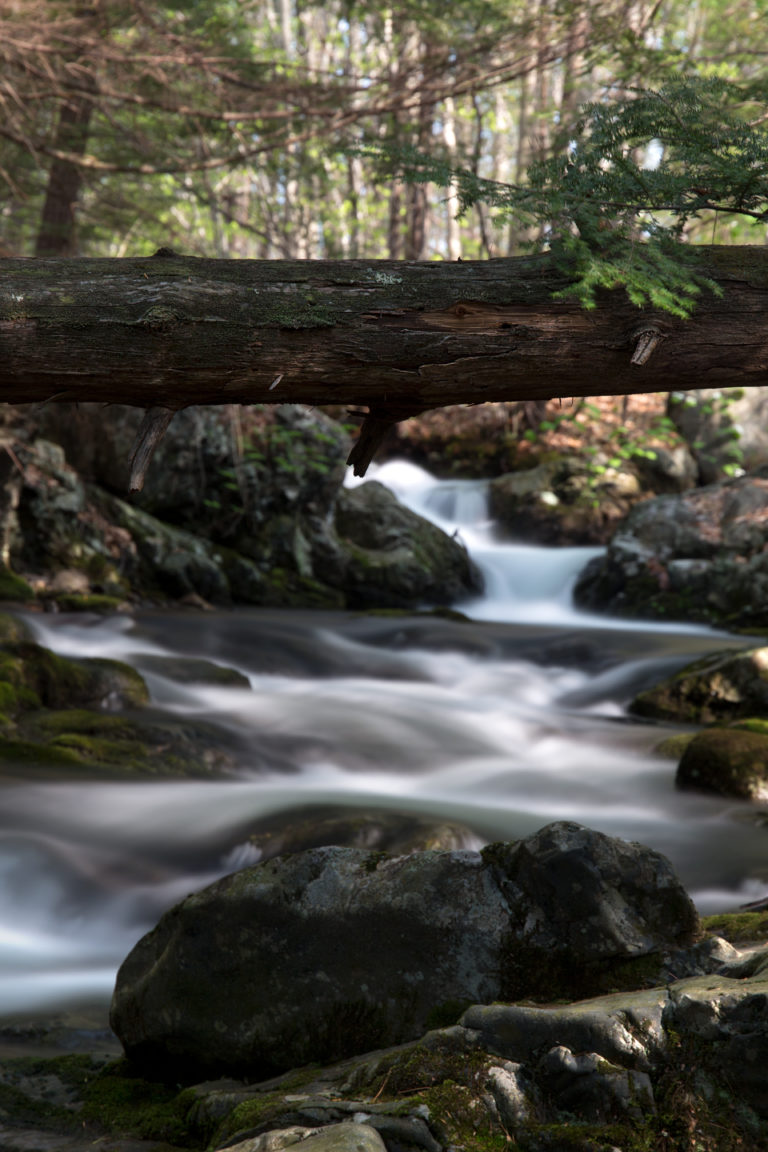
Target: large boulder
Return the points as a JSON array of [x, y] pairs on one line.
[[338, 950], [698, 556], [384, 555]]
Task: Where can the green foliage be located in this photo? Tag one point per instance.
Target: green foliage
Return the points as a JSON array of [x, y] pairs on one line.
[[614, 206], [620, 446]]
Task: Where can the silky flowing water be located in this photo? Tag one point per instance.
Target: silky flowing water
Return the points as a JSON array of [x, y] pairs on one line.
[[500, 724]]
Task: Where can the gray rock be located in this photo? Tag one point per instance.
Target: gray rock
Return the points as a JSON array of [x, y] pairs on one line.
[[576, 897], [586, 1086], [334, 951], [623, 1029], [265, 522], [719, 687], [723, 1026], [562, 501], [695, 556], [346, 1137], [386, 556], [513, 1093]]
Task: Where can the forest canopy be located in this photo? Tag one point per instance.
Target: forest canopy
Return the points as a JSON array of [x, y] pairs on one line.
[[278, 129]]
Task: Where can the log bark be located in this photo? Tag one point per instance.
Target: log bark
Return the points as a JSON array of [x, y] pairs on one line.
[[169, 331]]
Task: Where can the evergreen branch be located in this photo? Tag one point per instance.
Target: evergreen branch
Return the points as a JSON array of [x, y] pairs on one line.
[[613, 209]]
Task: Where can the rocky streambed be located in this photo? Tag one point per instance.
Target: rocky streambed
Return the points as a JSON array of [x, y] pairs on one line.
[[374, 994]]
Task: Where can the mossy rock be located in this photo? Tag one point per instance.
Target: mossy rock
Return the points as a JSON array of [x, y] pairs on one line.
[[186, 670], [720, 687], [26, 753], [88, 602], [121, 1101], [105, 744], [727, 761], [59, 682], [14, 629], [673, 747], [13, 587]]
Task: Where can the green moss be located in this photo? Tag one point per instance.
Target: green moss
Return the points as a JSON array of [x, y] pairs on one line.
[[372, 861], [13, 630], [97, 749], [127, 1105], [422, 1066], [13, 587], [93, 602], [727, 761], [448, 1013], [673, 747], [18, 1108], [252, 1116], [738, 927], [752, 724], [460, 1120], [62, 683], [24, 752], [82, 720], [9, 699], [286, 589]]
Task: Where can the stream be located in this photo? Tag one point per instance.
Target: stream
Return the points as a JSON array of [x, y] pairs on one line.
[[500, 724]]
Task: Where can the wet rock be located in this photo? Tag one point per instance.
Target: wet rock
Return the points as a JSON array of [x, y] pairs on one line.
[[585, 1085], [623, 1029], [395, 833], [386, 556], [727, 761], [696, 556], [32, 676], [349, 1137], [577, 898], [334, 950], [562, 501], [190, 670], [720, 687], [723, 1026], [615, 1071], [254, 516]]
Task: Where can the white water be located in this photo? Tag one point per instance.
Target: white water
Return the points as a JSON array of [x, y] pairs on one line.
[[500, 727]]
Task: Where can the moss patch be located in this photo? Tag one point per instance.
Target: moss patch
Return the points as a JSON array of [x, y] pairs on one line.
[[727, 761], [738, 927], [125, 1104], [13, 587], [92, 602]]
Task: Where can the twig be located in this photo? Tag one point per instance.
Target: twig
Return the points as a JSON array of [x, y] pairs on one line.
[[151, 432]]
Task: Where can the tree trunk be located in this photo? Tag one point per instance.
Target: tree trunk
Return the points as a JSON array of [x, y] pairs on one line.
[[172, 331], [57, 235]]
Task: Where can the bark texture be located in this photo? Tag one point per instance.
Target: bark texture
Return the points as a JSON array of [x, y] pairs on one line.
[[171, 331]]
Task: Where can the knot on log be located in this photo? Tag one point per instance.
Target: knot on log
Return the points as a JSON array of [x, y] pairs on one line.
[[160, 318], [647, 341]]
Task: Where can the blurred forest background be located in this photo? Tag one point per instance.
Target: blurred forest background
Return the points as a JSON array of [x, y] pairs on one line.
[[240, 128]]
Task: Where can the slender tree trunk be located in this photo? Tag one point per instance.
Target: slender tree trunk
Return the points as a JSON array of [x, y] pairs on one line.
[[57, 235]]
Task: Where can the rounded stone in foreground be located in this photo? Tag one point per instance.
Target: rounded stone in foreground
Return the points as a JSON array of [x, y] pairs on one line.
[[334, 951]]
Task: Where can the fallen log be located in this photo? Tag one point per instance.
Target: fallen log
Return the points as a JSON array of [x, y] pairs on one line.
[[169, 331]]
